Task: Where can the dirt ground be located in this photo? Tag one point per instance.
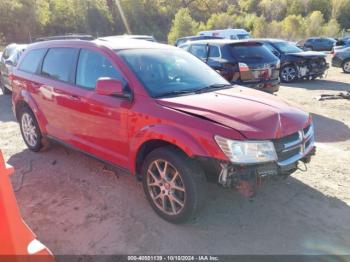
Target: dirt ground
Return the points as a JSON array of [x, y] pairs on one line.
[[76, 207]]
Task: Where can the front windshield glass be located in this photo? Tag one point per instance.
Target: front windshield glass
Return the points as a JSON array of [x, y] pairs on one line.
[[285, 47], [170, 72]]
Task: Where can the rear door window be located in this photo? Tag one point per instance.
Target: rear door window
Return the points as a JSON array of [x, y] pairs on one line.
[[251, 52], [32, 60], [92, 66], [59, 64]]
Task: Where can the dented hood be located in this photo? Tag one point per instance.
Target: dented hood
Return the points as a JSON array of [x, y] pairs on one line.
[[308, 54], [256, 115]]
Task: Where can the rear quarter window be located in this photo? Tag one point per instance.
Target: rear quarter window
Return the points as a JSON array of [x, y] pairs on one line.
[[59, 64], [31, 61]]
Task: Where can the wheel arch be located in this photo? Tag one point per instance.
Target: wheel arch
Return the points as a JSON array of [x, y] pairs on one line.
[[150, 146], [27, 101], [160, 136]]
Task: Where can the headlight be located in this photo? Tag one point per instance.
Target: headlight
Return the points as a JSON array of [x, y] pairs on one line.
[[247, 152]]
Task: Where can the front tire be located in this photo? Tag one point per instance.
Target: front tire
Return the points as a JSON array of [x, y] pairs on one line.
[[30, 130], [289, 73], [346, 66], [174, 184]]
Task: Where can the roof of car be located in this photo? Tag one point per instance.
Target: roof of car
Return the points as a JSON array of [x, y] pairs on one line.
[[320, 37], [112, 37], [21, 46], [114, 44], [271, 40], [65, 37], [200, 36], [221, 41]]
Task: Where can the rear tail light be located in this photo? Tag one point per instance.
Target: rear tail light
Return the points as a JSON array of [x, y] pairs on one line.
[[243, 67]]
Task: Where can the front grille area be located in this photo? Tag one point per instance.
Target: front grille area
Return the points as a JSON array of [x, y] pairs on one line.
[[293, 147], [317, 64]]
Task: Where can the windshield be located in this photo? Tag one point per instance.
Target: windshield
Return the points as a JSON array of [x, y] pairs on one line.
[[285, 47], [170, 72], [251, 51]]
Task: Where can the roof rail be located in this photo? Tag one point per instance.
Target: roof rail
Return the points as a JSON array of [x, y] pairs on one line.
[[65, 37]]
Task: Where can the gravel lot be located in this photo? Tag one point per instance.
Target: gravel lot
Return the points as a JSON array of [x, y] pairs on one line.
[[76, 206]]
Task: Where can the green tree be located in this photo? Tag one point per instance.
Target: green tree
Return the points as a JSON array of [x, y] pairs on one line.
[[341, 12], [273, 9], [292, 27], [324, 6], [260, 27], [314, 23], [248, 6], [331, 29], [275, 29], [183, 25], [220, 21], [296, 7]]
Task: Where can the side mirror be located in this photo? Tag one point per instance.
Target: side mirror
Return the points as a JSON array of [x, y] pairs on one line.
[[111, 87], [8, 62]]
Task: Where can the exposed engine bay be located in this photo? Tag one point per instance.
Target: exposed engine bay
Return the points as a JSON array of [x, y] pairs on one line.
[[311, 68]]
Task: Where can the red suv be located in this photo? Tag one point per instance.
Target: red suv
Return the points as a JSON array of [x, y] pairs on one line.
[[157, 112]]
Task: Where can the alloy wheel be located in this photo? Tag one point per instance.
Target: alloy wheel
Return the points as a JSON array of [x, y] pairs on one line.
[[166, 187], [29, 129], [288, 73], [346, 67]]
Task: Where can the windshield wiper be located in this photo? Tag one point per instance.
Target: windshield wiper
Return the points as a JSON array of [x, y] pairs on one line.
[[174, 93], [211, 87]]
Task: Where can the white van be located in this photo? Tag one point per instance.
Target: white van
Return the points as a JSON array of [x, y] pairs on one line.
[[227, 33]]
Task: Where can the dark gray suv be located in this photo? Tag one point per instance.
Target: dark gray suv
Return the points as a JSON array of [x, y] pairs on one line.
[[9, 59], [341, 58]]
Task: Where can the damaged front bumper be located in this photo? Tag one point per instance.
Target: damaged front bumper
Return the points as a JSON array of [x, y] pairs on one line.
[[231, 174], [312, 69], [291, 150]]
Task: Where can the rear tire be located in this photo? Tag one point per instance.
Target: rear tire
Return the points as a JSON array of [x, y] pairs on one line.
[[288, 73], [174, 184], [346, 66], [30, 130]]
